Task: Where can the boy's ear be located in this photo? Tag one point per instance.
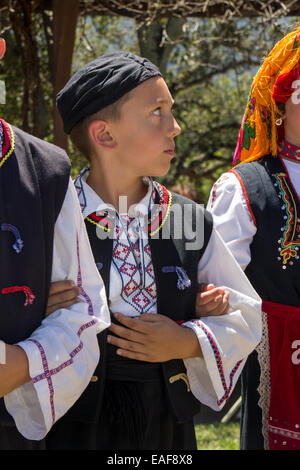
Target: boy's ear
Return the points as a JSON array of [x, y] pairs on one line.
[[100, 134]]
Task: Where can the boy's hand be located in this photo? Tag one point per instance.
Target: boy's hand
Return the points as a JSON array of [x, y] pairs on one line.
[[153, 338], [211, 300], [62, 294]]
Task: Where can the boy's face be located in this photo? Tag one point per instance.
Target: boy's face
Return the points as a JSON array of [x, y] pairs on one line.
[[146, 131]]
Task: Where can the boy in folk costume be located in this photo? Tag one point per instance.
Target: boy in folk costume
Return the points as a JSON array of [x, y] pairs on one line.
[[158, 361], [256, 210], [40, 242]]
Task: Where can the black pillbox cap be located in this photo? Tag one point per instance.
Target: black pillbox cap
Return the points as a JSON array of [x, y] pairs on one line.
[[101, 83]]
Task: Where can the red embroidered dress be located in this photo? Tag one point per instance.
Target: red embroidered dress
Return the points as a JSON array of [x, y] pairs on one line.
[[274, 273], [284, 326]]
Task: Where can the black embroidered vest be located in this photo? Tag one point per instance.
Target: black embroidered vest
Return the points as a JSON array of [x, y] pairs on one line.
[[176, 303], [274, 267], [34, 177]]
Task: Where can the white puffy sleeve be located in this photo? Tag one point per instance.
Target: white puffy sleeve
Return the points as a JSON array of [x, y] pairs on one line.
[[233, 218], [63, 352], [225, 340]]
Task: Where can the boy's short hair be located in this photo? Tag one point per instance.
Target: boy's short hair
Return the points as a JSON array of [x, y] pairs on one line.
[[80, 135]]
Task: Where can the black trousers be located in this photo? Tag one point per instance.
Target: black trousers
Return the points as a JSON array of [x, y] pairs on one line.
[[11, 439], [251, 416], [124, 428]]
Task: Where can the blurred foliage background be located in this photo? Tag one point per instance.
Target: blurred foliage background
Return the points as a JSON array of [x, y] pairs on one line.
[[208, 64]]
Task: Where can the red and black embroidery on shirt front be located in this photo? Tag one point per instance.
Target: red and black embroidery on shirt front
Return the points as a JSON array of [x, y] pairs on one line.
[[161, 209], [131, 260], [103, 219], [157, 216]]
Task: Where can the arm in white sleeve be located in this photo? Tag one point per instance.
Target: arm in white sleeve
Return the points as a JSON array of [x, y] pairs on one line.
[[225, 340], [232, 217], [63, 352]]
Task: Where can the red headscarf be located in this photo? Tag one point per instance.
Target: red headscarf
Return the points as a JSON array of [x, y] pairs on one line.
[[273, 84]]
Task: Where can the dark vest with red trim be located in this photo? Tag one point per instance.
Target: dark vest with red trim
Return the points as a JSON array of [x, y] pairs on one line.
[[177, 304], [34, 177], [274, 268]]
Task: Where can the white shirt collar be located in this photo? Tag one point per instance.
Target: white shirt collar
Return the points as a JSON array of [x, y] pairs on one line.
[[91, 202]]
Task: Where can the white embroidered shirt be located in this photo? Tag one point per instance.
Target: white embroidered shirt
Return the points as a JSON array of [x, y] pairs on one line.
[[226, 340]]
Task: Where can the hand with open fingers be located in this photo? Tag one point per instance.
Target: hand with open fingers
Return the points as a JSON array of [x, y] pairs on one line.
[[211, 301], [152, 337], [62, 294]]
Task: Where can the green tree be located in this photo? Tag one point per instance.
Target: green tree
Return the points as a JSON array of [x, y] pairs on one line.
[[208, 65], [209, 75]]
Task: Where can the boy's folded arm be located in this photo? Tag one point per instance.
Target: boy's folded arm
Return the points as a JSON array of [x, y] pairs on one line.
[[225, 340], [14, 368]]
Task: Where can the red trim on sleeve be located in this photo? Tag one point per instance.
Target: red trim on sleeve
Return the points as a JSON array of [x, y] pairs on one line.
[[245, 194]]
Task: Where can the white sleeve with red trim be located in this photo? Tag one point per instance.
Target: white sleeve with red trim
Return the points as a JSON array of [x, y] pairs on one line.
[[233, 216], [63, 352], [225, 340]]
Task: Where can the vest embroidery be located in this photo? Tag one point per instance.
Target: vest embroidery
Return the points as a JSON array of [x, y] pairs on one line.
[[7, 139], [183, 377], [161, 211], [27, 291], [18, 245], [183, 281], [290, 239], [104, 220]]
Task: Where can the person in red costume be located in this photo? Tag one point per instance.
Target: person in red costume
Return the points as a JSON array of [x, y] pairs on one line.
[[256, 210]]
